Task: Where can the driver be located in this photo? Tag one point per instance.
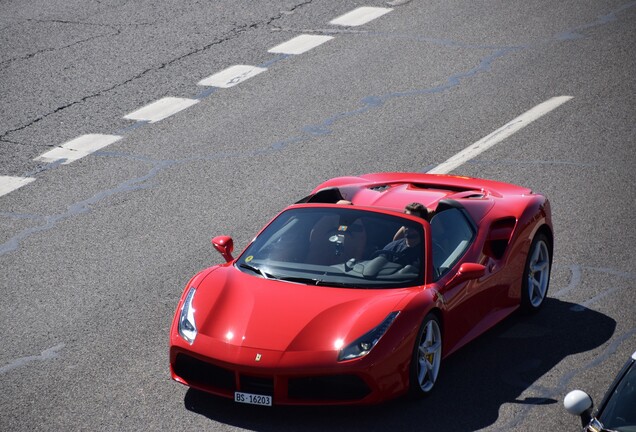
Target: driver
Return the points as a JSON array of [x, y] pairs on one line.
[[406, 250]]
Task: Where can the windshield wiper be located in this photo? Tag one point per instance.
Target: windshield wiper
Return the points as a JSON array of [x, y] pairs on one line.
[[306, 281], [257, 270], [317, 282], [301, 280], [337, 284]]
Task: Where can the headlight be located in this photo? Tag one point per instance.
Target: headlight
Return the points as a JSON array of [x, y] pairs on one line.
[[366, 342], [187, 326]]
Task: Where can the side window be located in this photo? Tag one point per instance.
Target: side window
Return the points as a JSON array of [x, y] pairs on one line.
[[451, 233]]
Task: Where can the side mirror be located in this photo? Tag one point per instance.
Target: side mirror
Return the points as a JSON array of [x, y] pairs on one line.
[[225, 246], [468, 271], [579, 403]]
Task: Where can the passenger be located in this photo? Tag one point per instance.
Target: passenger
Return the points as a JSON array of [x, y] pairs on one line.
[[406, 250], [415, 209]]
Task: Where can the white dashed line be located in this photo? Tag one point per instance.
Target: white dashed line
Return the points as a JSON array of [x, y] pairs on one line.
[[300, 44], [499, 135], [9, 184], [360, 16], [161, 109], [231, 76], [78, 148]]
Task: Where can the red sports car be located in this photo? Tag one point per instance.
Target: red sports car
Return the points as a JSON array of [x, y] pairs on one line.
[[345, 298]]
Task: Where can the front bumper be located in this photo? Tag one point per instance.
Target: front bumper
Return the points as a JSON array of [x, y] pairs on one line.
[[296, 378]]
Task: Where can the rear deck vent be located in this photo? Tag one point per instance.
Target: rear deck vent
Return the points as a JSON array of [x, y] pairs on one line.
[[444, 187], [381, 188], [477, 195]]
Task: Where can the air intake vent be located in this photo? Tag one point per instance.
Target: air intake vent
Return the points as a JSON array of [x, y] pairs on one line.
[[471, 194], [380, 188], [499, 236]]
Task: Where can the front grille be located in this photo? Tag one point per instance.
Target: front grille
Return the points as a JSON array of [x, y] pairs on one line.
[[195, 371], [257, 385], [334, 387]]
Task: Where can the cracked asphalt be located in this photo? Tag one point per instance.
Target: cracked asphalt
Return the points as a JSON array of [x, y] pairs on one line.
[[55, 70]]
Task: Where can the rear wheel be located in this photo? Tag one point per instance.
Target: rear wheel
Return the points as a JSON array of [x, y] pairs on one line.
[[536, 275], [427, 357]]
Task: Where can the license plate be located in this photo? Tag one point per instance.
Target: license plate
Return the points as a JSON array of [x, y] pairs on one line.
[[253, 399]]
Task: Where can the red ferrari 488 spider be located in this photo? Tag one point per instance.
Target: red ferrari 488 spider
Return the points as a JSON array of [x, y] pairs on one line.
[[345, 298]]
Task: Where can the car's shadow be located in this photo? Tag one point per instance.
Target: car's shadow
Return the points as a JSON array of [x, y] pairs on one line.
[[474, 382]]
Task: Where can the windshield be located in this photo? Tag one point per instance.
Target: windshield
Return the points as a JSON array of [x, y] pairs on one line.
[[619, 413], [338, 246]]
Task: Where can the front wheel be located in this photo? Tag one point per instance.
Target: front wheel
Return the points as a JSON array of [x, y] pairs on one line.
[[427, 357], [536, 274]]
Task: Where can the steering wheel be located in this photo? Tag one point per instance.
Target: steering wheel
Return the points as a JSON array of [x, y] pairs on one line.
[[389, 255]]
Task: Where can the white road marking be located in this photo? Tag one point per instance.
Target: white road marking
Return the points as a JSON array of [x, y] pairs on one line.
[[47, 354], [161, 109], [300, 44], [231, 76], [9, 184], [499, 135], [78, 148], [359, 16]]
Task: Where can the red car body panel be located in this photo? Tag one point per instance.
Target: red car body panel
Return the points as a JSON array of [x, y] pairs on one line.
[[289, 334]]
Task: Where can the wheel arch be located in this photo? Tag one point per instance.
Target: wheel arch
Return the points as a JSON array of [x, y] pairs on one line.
[[545, 230], [439, 314]]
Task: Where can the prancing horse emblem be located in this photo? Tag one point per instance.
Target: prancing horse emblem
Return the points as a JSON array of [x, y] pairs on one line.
[[258, 357]]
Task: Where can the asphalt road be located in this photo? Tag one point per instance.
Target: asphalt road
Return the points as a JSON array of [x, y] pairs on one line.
[[94, 253]]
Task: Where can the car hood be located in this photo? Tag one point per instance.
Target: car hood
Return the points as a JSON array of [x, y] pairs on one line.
[[249, 311]]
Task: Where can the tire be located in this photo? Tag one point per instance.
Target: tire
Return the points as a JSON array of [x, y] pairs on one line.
[[427, 357], [536, 274]]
